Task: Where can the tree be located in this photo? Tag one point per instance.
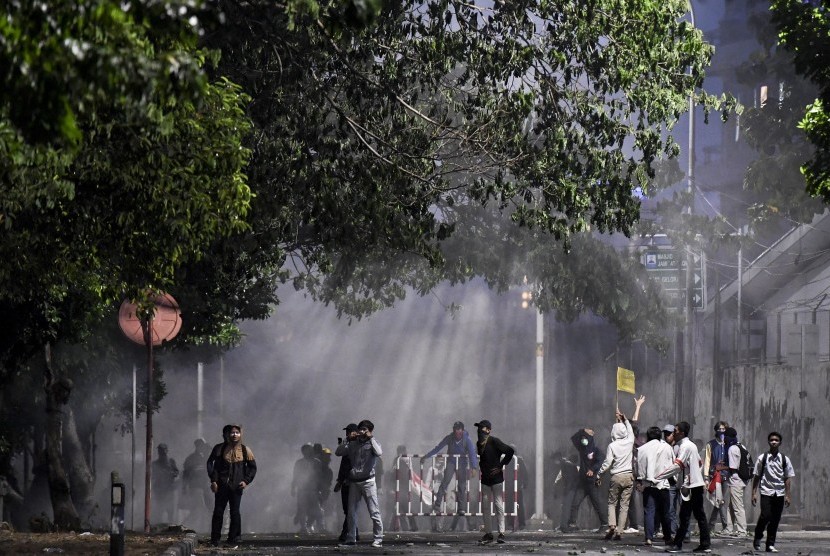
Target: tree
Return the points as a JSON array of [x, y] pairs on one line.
[[364, 139], [125, 165], [804, 30]]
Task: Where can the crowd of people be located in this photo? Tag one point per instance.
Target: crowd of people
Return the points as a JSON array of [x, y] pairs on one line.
[[657, 481], [675, 477]]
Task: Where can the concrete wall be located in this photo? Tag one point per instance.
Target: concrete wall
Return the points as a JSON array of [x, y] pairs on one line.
[[790, 400]]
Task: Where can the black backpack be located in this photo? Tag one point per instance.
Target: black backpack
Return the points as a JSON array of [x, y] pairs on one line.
[[745, 467]]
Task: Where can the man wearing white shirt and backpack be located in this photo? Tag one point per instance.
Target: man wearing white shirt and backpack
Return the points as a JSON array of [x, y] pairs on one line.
[[773, 471]]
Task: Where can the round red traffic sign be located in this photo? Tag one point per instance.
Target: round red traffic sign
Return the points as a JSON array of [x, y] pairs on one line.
[[167, 320]]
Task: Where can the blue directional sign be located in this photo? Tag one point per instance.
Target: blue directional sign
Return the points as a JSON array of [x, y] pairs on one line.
[[668, 268]]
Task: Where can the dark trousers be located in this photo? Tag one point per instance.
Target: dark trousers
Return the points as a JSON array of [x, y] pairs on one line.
[[771, 509], [344, 499], [587, 487], [693, 506], [656, 508], [461, 475], [224, 496], [567, 502]]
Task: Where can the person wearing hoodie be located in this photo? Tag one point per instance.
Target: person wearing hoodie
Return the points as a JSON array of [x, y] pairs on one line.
[[618, 461], [363, 452], [461, 456], [231, 467], [590, 460]]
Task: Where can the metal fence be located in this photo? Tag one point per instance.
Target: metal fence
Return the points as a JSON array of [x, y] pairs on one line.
[[418, 480]]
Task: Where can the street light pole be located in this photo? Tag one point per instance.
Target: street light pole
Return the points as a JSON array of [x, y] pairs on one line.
[[687, 380], [539, 519], [539, 513]]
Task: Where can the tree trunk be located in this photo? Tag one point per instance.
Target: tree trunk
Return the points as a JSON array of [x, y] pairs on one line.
[[81, 478], [57, 394]]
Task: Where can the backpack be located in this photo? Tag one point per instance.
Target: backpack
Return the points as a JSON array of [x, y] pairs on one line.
[[745, 466]]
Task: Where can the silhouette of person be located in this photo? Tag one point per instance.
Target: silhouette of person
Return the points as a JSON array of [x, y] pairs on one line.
[[165, 472]]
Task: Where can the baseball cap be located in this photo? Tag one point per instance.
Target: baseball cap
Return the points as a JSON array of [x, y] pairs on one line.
[[483, 423], [458, 425], [350, 427], [668, 428]]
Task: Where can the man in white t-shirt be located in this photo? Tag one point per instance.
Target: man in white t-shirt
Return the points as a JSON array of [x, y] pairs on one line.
[[773, 471], [737, 513]]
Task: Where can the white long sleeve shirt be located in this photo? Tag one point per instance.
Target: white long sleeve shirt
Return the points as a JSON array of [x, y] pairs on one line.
[[653, 457], [618, 458]]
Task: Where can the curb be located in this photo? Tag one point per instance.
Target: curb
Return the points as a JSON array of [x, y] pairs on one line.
[[184, 547]]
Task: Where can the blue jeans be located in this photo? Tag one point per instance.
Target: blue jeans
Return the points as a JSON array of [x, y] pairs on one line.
[[656, 506], [674, 497], [367, 490]]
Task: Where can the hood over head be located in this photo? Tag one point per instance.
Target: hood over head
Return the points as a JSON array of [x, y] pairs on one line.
[[618, 431]]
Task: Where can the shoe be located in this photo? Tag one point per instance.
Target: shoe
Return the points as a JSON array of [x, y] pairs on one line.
[[461, 512], [702, 548], [347, 543], [756, 545], [673, 548], [771, 548], [617, 537], [487, 538], [631, 530], [723, 533], [214, 544], [500, 540], [648, 542], [237, 540], [377, 544], [603, 527], [609, 535]]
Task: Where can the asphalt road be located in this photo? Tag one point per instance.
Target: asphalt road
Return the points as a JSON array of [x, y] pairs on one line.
[[795, 542]]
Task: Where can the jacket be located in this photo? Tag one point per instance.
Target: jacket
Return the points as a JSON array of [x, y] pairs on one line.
[[493, 455], [230, 465], [463, 447], [591, 458], [362, 455]]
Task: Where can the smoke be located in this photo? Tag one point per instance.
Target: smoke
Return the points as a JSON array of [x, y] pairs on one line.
[[413, 370]]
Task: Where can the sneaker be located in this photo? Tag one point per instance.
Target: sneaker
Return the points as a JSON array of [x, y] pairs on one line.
[[609, 535], [617, 537], [631, 530], [756, 545], [500, 539], [702, 548], [648, 542], [673, 548], [460, 512], [347, 543], [487, 538], [377, 544], [771, 548]]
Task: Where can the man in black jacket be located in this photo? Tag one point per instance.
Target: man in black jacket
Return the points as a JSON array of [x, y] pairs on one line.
[[590, 460], [493, 455], [232, 468]]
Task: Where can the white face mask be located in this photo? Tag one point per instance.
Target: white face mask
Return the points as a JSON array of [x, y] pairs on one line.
[[584, 441]]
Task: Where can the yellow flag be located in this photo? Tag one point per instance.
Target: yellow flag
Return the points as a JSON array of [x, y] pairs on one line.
[[625, 380]]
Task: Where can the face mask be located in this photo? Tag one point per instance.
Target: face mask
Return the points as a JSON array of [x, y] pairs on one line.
[[481, 435], [584, 441]]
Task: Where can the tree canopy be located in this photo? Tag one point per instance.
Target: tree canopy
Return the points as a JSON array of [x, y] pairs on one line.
[[804, 29], [365, 139]]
